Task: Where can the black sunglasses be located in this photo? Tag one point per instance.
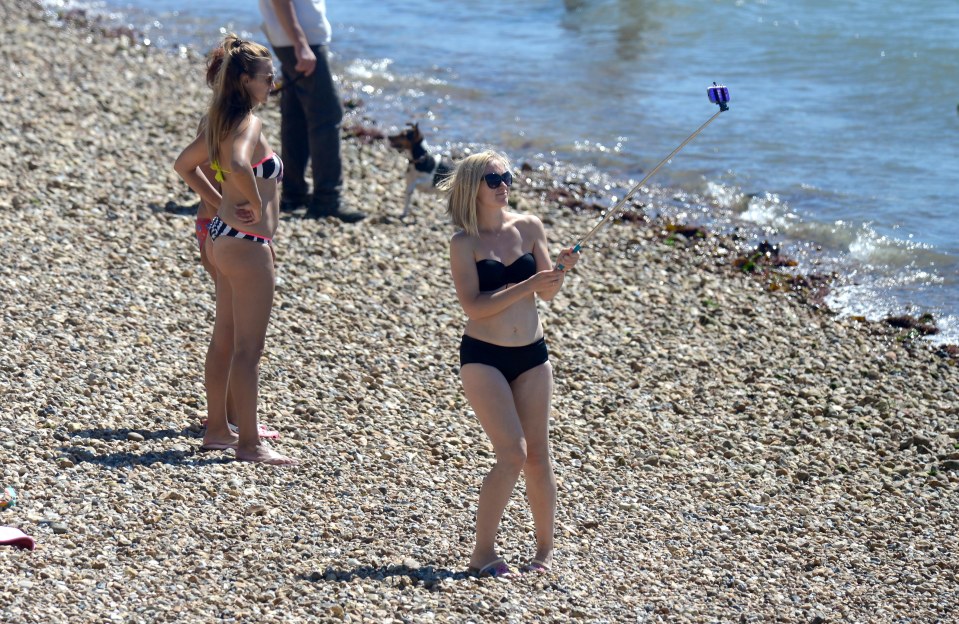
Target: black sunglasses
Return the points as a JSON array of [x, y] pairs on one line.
[[493, 180]]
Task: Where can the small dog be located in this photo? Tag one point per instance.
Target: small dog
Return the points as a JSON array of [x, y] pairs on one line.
[[425, 170]]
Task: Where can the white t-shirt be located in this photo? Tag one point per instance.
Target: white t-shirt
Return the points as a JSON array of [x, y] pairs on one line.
[[312, 17]]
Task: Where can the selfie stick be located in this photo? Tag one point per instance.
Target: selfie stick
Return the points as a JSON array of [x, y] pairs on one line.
[[719, 95]]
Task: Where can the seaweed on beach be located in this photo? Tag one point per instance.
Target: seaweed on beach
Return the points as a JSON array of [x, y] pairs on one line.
[[923, 325]]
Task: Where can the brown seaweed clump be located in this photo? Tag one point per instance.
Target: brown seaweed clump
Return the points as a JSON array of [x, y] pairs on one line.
[[924, 325]]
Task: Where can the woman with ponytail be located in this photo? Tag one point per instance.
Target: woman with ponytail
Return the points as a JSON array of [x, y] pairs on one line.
[[196, 160], [240, 244]]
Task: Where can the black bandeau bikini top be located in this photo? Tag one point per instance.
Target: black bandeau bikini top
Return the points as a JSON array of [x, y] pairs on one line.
[[493, 274]]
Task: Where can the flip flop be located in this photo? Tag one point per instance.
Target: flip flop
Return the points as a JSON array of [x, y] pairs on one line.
[[263, 430], [218, 446], [15, 537], [495, 568], [540, 567]]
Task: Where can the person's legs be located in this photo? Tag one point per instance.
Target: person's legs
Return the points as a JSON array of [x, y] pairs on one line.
[[294, 139], [533, 391], [325, 114], [492, 401], [248, 267], [327, 168], [208, 265], [321, 100], [218, 358]]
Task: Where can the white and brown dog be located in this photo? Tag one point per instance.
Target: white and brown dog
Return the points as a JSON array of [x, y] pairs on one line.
[[425, 170]]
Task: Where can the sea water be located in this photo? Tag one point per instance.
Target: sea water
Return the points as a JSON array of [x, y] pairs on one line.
[[840, 142]]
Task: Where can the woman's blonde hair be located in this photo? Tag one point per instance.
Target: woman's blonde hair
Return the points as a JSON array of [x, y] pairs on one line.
[[231, 101], [463, 186], [214, 61]]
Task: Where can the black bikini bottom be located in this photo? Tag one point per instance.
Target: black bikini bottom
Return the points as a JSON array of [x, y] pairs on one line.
[[511, 361]]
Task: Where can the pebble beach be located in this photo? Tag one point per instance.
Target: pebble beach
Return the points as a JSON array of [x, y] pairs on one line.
[[727, 449]]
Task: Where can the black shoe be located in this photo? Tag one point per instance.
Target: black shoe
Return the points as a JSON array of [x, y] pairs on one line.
[[290, 204], [337, 211]]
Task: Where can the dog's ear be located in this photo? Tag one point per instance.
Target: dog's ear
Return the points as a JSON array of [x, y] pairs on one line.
[[417, 137], [400, 141]]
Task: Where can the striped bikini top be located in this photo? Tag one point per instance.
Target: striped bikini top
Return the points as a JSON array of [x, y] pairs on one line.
[[270, 168]]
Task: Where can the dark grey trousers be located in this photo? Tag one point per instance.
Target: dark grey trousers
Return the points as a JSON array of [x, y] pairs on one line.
[[311, 112]]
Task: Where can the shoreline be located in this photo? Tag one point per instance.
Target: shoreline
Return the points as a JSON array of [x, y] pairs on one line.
[[723, 452], [750, 246]]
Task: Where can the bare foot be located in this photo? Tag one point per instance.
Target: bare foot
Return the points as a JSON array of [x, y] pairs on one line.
[[262, 430], [263, 454], [219, 443]]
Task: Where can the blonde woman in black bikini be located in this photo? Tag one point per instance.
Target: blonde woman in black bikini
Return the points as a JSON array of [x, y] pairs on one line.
[[240, 243], [500, 264]]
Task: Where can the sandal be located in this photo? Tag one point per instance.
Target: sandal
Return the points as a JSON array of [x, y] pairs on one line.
[[495, 568], [263, 430], [540, 567]]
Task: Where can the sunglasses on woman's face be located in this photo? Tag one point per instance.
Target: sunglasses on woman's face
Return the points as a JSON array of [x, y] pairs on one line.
[[493, 180]]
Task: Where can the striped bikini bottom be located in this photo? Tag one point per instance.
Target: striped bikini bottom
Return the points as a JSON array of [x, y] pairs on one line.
[[218, 228]]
